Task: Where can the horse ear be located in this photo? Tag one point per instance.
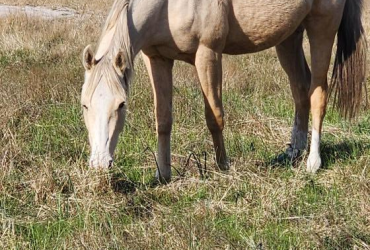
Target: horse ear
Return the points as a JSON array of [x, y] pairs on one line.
[[120, 62], [88, 58]]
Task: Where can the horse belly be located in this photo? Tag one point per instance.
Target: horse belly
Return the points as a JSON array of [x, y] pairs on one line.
[[255, 25]]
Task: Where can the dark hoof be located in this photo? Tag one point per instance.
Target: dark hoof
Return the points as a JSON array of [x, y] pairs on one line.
[[290, 157], [163, 178], [224, 166]]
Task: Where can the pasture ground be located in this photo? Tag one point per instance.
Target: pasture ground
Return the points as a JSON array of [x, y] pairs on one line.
[[49, 199]]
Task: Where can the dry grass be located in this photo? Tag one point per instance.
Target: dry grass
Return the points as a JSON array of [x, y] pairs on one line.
[[50, 200]]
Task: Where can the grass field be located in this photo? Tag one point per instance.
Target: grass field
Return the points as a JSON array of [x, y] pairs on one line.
[[49, 199]]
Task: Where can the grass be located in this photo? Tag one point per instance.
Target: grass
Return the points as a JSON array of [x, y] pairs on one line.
[[49, 199]]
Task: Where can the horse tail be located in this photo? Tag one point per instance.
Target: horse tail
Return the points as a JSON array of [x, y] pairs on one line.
[[348, 81]]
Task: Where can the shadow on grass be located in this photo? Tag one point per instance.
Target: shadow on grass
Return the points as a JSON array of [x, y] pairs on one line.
[[121, 183], [283, 160], [331, 153]]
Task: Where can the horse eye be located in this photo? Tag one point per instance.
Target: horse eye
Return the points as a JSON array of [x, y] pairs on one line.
[[122, 104], [85, 107]]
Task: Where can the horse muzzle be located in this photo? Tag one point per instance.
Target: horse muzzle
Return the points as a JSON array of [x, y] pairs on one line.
[[103, 161]]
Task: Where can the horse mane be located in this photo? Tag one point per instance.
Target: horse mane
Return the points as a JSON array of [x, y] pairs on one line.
[[114, 39]]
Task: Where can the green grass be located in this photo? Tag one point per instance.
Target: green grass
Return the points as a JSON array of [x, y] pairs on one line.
[[49, 199]]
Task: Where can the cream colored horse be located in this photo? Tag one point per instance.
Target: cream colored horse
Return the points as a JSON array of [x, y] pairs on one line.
[[199, 32]]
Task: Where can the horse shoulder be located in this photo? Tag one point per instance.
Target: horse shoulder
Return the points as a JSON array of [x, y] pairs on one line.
[[197, 22], [213, 23]]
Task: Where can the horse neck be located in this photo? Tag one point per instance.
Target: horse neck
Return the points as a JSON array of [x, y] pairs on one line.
[[129, 30]]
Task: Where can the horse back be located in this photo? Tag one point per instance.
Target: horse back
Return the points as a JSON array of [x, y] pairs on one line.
[[234, 26]]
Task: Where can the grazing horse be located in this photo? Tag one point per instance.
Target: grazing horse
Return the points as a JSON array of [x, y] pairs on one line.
[[199, 32]]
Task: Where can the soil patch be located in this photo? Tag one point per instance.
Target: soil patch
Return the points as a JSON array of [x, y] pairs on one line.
[[37, 11]]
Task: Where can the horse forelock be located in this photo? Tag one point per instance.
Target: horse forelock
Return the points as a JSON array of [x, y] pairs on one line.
[[105, 71]]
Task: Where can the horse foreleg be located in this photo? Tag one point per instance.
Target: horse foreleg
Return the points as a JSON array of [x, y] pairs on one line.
[[209, 68], [160, 73], [293, 61]]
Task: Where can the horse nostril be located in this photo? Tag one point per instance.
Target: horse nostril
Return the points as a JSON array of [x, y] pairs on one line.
[[110, 163]]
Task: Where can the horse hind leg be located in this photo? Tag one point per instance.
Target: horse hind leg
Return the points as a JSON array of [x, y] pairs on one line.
[[293, 61], [209, 67], [321, 33]]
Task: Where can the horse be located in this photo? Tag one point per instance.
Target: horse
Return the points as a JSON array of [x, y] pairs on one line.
[[199, 32]]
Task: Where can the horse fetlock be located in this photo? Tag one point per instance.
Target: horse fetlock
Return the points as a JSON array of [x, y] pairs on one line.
[[299, 139]]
